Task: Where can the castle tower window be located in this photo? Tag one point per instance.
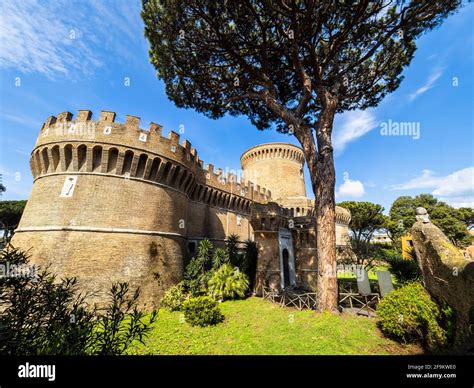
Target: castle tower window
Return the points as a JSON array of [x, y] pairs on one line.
[[112, 163], [192, 247], [175, 176], [127, 163], [166, 171], [141, 165], [44, 154], [182, 180], [38, 163], [55, 155], [81, 157], [68, 156], [154, 169], [96, 158]]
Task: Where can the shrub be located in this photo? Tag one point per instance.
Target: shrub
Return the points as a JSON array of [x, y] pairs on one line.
[[250, 261], [228, 283], [45, 316], [174, 297], [231, 245], [196, 274], [408, 314], [202, 311], [404, 270], [219, 258]]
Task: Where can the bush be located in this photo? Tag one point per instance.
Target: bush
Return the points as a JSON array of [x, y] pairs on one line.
[[174, 297], [41, 315], [228, 283], [219, 258], [202, 311], [196, 274], [408, 314], [404, 270]]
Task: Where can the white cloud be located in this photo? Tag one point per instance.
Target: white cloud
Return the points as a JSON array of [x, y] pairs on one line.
[[427, 85], [351, 188], [66, 38], [354, 125], [456, 188]]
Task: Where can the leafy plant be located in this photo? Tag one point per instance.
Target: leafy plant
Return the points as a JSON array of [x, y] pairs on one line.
[[409, 314], [41, 315], [202, 311], [249, 266], [120, 323], [232, 248], [174, 297], [219, 258], [228, 283], [10, 215], [403, 269], [196, 274]]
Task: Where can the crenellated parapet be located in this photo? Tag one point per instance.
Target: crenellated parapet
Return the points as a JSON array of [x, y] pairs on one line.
[[343, 216], [68, 145]]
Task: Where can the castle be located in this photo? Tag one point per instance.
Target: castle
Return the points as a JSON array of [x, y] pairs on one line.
[[114, 202]]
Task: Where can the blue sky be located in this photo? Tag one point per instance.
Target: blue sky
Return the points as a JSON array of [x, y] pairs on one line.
[[60, 56]]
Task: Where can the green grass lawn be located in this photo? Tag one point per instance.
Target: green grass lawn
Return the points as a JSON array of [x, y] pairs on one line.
[[256, 326]]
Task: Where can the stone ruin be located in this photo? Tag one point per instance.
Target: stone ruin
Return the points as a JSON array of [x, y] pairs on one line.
[[447, 274]]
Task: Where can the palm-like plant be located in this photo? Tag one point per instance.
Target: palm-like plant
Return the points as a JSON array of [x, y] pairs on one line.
[[228, 283]]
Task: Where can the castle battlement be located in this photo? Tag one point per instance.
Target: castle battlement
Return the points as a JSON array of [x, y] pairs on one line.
[[105, 146]]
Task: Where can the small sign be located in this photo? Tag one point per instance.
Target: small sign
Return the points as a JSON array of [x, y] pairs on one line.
[[68, 186], [107, 130], [142, 137], [173, 148]]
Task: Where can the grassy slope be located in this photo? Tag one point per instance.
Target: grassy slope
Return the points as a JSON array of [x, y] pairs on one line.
[[256, 326]]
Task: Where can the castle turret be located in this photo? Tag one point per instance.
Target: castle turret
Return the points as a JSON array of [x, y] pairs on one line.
[[278, 167]]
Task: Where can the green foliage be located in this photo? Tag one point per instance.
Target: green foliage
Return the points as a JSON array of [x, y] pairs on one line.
[[453, 222], [231, 245], [249, 263], [279, 79], [174, 297], [408, 314], [10, 215], [448, 322], [120, 323], [219, 258], [209, 259], [45, 316], [466, 214], [205, 251], [202, 311], [403, 269], [366, 218], [196, 274], [228, 283]]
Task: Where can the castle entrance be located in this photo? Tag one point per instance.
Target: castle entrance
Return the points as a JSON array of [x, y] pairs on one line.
[[287, 260]]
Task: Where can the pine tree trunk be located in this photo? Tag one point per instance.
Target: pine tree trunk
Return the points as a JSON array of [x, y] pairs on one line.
[[323, 178], [327, 292]]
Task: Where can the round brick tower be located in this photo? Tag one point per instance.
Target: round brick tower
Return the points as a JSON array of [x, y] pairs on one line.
[[108, 203], [278, 167]]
